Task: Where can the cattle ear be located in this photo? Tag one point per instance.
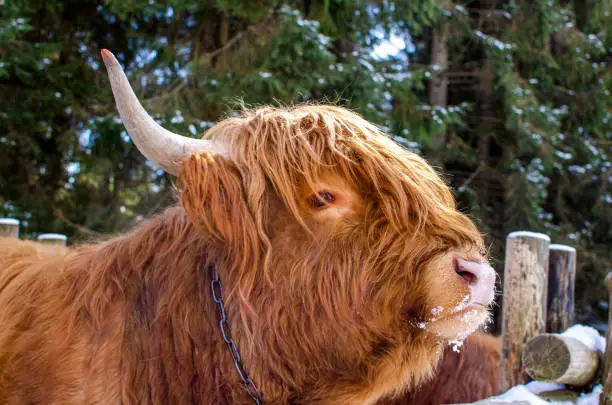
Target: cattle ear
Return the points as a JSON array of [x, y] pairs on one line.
[[213, 197]]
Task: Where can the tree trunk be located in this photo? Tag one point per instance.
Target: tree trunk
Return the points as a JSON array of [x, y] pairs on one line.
[[223, 30], [438, 84], [221, 35], [485, 128]]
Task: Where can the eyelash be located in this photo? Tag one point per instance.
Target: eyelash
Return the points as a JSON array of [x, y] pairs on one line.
[[321, 199]]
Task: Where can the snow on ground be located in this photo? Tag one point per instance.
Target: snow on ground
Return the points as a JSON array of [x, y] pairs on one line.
[[587, 335], [528, 393]]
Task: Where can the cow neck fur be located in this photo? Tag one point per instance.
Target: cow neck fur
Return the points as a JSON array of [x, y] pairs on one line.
[[158, 280], [139, 307]]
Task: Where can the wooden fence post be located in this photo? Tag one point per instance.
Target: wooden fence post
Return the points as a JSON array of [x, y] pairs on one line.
[[524, 301], [606, 395], [53, 239], [9, 227], [561, 280]]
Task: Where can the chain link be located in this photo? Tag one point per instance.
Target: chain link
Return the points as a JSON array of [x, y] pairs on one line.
[[226, 333]]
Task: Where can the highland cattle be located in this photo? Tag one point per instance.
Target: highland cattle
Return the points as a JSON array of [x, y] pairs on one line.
[[310, 259]]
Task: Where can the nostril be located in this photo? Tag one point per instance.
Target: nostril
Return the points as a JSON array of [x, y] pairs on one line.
[[467, 276], [465, 273]]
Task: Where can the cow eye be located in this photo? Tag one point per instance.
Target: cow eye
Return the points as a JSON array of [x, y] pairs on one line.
[[321, 199]]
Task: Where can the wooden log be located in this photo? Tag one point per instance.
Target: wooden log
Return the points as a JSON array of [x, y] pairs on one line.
[[524, 301], [561, 280], [559, 395], [53, 239], [556, 358], [606, 395], [9, 227]]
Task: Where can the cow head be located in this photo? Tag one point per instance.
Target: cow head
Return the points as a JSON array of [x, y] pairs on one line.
[[345, 261]]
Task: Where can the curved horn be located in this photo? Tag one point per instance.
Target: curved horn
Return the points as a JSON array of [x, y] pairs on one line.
[[164, 148]]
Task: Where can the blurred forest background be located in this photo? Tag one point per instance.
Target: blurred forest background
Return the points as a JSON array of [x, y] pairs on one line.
[[510, 99]]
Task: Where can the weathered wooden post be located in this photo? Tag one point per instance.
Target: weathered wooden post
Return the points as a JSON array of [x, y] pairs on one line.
[[561, 280], [9, 227], [52, 239], [606, 395], [524, 301], [556, 358]]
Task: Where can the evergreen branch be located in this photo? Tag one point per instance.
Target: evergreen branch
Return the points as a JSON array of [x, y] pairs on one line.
[[59, 214], [179, 84], [468, 181]]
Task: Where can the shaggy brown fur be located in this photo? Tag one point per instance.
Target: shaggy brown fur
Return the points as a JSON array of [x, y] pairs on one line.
[[462, 378], [322, 296]]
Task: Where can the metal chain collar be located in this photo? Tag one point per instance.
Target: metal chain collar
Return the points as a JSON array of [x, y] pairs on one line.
[[226, 333]]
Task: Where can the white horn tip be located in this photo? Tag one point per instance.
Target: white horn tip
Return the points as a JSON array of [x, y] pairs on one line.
[[108, 58]]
